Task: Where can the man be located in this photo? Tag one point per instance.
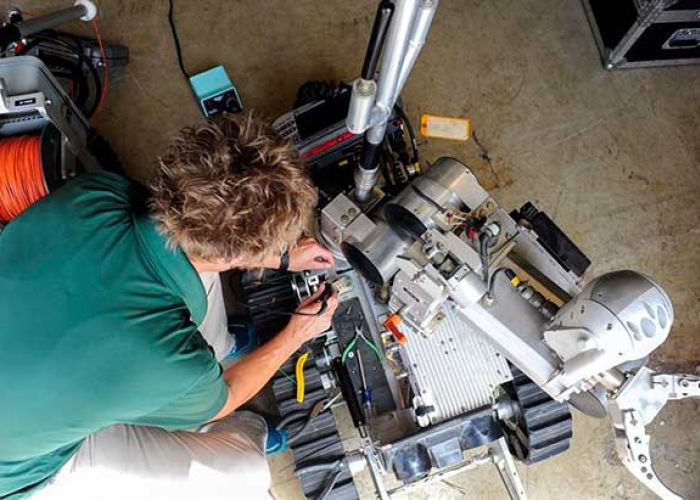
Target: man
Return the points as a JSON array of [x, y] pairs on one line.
[[108, 388]]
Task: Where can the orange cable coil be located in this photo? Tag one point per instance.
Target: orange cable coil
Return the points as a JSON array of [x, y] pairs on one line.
[[21, 175]]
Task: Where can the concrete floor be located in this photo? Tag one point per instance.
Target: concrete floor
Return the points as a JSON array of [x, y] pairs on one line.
[[614, 158]]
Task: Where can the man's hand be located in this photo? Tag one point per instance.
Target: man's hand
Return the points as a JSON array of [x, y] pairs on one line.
[[307, 323], [309, 254], [247, 376]]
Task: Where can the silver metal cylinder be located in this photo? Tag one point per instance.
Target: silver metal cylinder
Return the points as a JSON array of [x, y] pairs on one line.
[[421, 26], [393, 55], [375, 255], [442, 187], [48, 21], [364, 183], [363, 94]]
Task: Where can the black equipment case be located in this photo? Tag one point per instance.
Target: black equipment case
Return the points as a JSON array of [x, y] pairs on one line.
[[638, 33]]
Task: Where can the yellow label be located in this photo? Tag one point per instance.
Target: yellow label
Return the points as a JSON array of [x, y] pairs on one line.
[[443, 127]]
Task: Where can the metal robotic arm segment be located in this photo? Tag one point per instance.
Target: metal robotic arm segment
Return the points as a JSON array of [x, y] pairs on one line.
[[399, 41], [634, 406]]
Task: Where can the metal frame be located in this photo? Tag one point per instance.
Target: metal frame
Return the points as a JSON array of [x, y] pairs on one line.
[[30, 98], [649, 12], [633, 407], [442, 451]]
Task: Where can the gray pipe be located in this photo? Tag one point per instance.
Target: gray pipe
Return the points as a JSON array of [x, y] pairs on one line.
[[421, 26], [38, 24], [395, 47], [392, 60]]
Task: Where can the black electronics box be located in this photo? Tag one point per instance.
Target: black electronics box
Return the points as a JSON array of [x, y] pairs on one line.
[[639, 33]]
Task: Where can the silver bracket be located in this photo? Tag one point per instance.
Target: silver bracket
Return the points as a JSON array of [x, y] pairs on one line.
[[634, 406], [678, 386], [632, 443], [376, 467], [502, 458]]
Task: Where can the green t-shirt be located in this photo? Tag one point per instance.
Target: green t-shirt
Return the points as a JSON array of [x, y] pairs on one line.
[[98, 326]]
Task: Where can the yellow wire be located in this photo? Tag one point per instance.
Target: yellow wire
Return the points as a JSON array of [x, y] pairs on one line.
[[299, 371]]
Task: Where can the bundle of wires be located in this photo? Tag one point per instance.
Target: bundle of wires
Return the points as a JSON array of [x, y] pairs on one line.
[[65, 56], [21, 175]]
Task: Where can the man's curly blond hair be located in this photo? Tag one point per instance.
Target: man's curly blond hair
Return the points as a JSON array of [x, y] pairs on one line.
[[232, 188]]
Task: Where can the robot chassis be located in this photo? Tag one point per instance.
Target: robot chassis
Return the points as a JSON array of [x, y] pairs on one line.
[[486, 329]]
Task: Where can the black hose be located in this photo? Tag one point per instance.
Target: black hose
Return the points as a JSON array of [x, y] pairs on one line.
[[492, 280], [54, 37], [176, 40], [330, 483], [293, 438], [336, 468], [292, 417], [376, 39], [319, 467], [484, 255], [9, 34], [411, 132], [370, 155]]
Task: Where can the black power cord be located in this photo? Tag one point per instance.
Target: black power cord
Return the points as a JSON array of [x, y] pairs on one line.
[[411, 132], [51, 39], [176, 39], [322, 299], [492, 280]]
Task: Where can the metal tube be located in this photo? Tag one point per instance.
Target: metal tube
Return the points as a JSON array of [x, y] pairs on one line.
[[421, 26], [392, 59], [42, 23], [393, 54], [361, 104], [612, 379]]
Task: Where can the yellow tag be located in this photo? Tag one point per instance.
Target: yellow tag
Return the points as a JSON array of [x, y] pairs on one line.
[[443, 127]]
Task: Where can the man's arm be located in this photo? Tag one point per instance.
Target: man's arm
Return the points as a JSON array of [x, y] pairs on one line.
[[307, 255], [247, 376]]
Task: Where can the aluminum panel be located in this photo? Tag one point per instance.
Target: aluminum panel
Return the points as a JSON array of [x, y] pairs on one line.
[[455, 370]]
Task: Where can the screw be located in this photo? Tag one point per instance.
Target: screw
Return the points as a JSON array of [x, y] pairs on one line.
[[344, 219], [642, 458]]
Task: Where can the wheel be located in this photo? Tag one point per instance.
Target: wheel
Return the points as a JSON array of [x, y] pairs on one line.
[[539, 427]]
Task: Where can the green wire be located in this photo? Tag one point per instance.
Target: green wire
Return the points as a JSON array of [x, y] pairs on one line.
[[367, 342], [374, 348], [287, 376], [347, 350]]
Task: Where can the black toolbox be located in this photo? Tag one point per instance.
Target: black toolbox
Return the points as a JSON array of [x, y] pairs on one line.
[[638, 33]]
